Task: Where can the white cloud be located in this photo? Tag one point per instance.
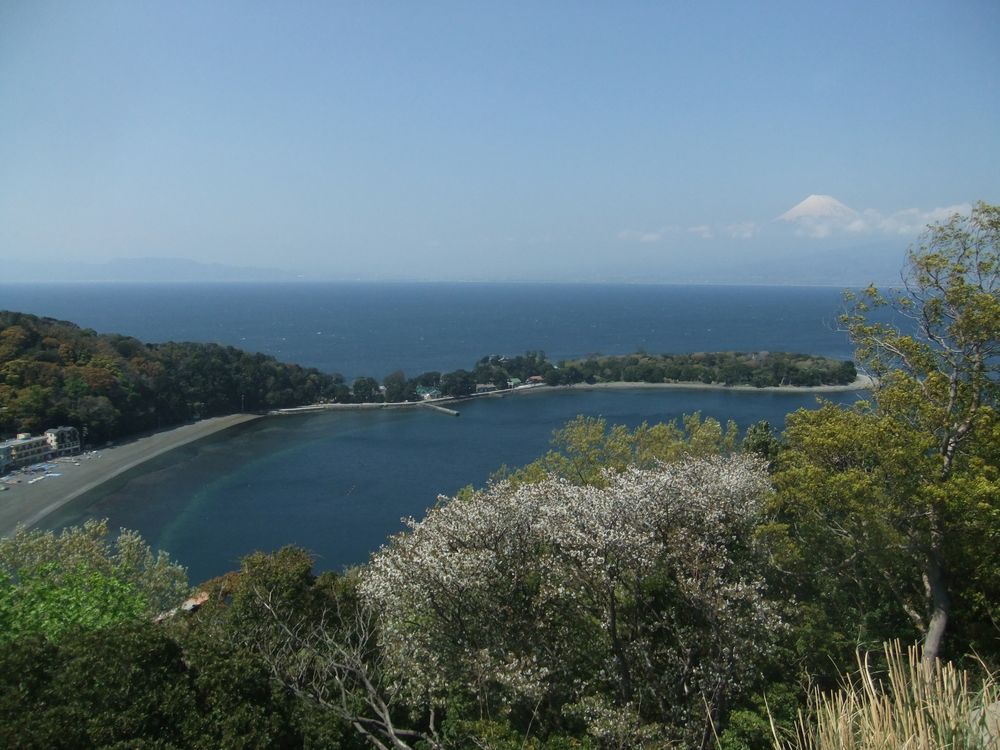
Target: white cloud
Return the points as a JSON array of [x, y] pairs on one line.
[[743, 231], [635, 235], [908, 222], [818, 229], [817, 217], [821, 224], [645, 236]]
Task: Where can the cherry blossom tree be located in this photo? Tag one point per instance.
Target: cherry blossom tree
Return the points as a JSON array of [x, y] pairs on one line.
[[642, 598]]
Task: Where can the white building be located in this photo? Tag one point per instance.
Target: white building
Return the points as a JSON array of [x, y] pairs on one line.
[[65, 441], [26, 449]]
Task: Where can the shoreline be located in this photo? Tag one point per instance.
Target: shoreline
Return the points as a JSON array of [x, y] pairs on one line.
[[860, 383], [26, 504]]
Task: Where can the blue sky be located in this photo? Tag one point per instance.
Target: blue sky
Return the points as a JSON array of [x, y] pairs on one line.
[[468, 140]]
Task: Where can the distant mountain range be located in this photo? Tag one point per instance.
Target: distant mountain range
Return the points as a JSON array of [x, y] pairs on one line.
[[820, 240]]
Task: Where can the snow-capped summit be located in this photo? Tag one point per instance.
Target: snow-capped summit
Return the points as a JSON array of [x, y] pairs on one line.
[[819, 207]]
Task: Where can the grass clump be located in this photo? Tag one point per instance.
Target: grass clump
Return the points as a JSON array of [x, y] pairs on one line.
[[912, 705]]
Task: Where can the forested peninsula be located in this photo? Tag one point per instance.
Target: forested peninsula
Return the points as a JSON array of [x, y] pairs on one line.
[[53, 372], [109, 386], [759, 369]]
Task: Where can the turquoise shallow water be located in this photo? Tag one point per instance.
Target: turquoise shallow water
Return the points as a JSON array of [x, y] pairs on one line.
[[339, 483]]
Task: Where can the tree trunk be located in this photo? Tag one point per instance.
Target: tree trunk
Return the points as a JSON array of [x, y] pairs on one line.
[[939, 606], [616, 645]]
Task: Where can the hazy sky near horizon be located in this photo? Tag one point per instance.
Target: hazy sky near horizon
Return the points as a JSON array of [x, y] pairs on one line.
[[454, 140]]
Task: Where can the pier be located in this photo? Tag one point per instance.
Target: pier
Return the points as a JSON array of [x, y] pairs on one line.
[[442, 409], [312, 408]]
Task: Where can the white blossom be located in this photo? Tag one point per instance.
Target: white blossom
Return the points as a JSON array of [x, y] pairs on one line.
[[647, 589]]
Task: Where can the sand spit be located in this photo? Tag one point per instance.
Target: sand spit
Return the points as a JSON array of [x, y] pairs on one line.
[[861, 383]]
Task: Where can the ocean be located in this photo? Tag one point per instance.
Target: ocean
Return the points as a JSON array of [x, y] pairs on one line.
[[339, 483], [374, 329]]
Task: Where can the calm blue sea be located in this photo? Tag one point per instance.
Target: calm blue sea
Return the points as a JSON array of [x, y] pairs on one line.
[[374, 329], [338, 484]]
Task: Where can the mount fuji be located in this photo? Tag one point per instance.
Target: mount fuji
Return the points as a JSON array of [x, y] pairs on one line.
[[822, 207]]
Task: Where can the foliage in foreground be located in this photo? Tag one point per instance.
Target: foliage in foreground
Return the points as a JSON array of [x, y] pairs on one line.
[[913, 705], [135, 685], [589, 451], [82, 578], [890, 512], [637, 605], [940, 377]]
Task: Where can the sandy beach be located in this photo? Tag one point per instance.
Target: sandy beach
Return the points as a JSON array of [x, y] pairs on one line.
[[861, 383], [27, 504]]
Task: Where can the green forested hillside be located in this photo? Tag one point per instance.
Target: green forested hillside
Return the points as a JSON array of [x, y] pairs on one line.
[[54, 372]]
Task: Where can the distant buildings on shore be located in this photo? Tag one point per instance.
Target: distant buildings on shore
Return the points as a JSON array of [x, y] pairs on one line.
[[27, 449]]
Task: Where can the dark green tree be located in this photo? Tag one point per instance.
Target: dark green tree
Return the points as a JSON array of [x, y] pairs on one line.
[[82, 578], [398, 388], [366, 390], [939, 374], [458, 383]]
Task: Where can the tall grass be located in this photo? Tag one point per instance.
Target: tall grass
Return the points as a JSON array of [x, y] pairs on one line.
[[911, 706]]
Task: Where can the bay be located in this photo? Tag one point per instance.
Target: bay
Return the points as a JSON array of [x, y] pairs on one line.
[[339, 483]]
